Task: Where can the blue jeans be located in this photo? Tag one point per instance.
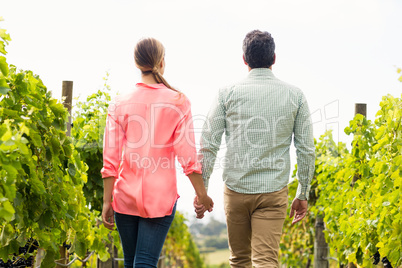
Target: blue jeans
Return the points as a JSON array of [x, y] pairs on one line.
[[142, 238]]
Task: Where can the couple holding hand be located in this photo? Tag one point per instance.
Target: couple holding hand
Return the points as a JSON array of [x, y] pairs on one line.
[[148, 128]]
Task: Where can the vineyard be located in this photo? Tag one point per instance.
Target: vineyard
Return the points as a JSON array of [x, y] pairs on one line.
[[51, 187], [357, 194]]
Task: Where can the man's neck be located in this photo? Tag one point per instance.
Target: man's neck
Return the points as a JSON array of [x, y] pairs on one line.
[[249, 69]]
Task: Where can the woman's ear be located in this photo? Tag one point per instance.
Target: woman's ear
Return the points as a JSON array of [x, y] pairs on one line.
[[162, 66]]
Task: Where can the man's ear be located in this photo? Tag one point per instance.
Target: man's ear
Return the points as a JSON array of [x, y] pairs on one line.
[[274, 59], [244, 59]]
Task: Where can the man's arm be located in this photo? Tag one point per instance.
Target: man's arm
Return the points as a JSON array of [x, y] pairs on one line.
[[305, 148], [211, 137], [305, 151]]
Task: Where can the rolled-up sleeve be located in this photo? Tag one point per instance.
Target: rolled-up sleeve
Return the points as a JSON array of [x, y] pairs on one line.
[[305, 149], [184, 142], [113, 140]]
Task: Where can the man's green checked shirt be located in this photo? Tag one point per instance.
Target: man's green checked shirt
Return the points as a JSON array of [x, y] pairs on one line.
[[259, 116]]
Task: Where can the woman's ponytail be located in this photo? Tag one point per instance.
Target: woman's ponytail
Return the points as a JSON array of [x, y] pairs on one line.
[[160, 79]]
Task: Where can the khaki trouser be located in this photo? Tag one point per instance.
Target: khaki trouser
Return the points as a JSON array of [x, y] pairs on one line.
[[255, 223]]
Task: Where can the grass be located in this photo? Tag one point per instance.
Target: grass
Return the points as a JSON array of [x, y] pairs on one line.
[[220, 259], [217, 257]]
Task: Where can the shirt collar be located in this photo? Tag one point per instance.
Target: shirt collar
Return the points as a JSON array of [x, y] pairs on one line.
[[261, 72], [153, 86]]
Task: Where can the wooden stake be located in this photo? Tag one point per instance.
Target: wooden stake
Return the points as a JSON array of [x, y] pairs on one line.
[[320, 245], [67, 95], [361, 108]]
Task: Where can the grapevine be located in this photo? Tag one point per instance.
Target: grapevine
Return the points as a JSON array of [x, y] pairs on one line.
[[87, 132], [359, 191], [41, 173]]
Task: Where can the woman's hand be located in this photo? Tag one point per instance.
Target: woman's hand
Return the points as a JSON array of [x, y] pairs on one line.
[[108, 215], [202, 201]]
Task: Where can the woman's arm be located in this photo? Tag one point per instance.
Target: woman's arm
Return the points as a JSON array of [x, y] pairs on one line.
[[184, 146], [107, 210], [198, 184], [112, 149]]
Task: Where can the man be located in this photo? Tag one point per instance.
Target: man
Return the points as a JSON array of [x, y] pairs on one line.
[[259, 117]]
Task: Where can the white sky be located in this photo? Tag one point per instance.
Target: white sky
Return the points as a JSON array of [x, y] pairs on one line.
[[338, 52]]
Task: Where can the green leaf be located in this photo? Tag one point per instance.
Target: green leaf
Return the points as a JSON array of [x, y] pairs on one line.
[[6, 136], [11, 170], [6, 235], [36, 138], [45, 220], [71, 170], [2, 48], [48, 154], [359, 117], [57, 108], [359, 256], [395, 256], [80, 249], [5, 36], [6, 211], [3, 66], [67, 148], [48, 260], [395, 175], [4, 88], [38, 186], [23, 148]]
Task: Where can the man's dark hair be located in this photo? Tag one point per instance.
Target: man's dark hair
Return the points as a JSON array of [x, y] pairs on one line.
[[259, 49]]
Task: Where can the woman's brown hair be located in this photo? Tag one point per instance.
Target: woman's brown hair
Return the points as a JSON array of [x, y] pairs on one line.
[[148, 55]]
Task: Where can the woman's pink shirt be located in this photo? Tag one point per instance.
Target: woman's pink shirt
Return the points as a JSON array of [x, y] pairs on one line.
[[145, 131]]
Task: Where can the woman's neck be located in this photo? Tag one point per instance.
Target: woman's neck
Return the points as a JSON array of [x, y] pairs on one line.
[[148, 79]]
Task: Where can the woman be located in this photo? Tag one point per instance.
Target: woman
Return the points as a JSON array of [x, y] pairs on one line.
[[145, 130]]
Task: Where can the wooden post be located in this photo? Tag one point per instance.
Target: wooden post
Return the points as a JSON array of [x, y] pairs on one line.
[[40, 253], [67, 95], [361, 108], [161, 262], [63, 257], [320, 245], [111, 262]]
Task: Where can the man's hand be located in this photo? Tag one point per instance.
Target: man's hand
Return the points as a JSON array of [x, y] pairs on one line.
[[108, 216], [206, 201], [200, 208], [300, 207]]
